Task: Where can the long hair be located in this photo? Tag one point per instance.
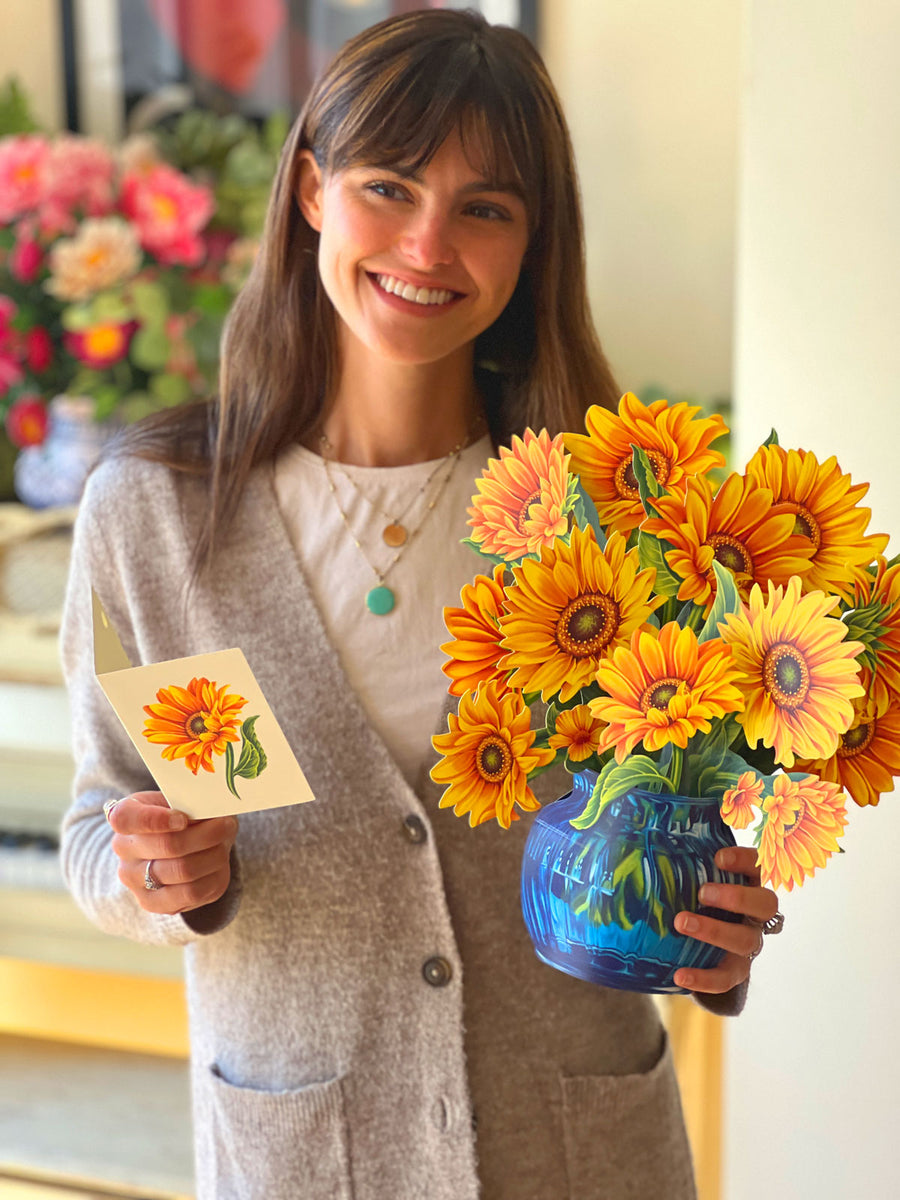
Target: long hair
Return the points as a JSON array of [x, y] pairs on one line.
[[391, 97]]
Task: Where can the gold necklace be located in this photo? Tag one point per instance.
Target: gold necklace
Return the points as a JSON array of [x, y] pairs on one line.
[[381, 599], [395, 532]]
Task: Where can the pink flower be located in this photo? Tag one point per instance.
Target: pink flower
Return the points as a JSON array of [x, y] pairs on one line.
[[10, 372], [80, 175], [101, 345], [26, 421], [24, 164], [38, 349], [26, 259], [169, 212]]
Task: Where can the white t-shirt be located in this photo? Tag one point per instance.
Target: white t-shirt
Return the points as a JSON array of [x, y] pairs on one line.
[[393, 662]]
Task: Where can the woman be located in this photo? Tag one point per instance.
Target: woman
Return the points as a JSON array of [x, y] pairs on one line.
[[368, 1018]]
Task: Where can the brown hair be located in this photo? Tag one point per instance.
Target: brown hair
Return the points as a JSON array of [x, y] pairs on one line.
[[391, 96]]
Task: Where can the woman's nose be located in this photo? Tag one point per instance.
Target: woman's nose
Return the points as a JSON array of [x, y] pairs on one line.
[[427, 241]]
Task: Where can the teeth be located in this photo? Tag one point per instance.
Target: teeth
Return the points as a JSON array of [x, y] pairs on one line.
[[408, 291]]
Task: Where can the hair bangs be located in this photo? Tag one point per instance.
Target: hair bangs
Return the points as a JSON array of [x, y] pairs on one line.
[[403, 115]]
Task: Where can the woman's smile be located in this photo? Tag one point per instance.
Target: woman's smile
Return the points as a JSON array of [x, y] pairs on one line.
[[417, 263]]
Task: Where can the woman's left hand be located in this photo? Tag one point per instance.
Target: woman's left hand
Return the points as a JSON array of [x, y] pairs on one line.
[[741, 941]]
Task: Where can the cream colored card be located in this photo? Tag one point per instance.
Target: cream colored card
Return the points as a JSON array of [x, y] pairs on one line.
[[202, 726]]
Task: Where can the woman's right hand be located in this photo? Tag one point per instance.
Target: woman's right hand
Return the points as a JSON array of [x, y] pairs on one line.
[[189, 859]]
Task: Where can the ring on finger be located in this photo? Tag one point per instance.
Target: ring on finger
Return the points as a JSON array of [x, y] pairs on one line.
[[758, 949], [151, 883], [110, 805], [773, 925]]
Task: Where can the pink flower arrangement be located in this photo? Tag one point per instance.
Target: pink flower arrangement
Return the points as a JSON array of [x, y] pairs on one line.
[[108, 287]]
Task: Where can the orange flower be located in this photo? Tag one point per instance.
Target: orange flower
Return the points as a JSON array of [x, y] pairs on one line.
[[487, 757], [475, 650], [738, 526], [868, 756], [521, 502], [875, 621], [569, 608], [804, 820], [799, 673], [665, 688], [676, 443], [194, 723], [826, 511], [577, 732], [739, 802]]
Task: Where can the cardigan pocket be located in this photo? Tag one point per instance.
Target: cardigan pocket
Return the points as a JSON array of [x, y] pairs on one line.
[[625, 1137], [281, 1145]]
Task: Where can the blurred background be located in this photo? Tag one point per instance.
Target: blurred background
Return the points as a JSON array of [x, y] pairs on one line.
[[741, 185]]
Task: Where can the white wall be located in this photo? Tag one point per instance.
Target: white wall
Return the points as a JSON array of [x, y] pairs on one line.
[[30, 49], [813, 1079], [650, 89]]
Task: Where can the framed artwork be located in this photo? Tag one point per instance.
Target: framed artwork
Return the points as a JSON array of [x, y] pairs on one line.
[[128, 62]]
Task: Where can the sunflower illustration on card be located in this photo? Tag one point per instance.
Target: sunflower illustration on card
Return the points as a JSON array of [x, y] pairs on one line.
[[202, 727]]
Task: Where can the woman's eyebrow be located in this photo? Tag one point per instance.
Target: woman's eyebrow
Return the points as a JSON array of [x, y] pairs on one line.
[[476, 185]]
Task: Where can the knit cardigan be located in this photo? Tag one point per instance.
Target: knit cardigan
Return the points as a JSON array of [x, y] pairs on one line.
[[368, 1018]]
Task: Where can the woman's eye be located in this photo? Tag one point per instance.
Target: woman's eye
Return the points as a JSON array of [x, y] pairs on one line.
[[381, 187], [488, 212]]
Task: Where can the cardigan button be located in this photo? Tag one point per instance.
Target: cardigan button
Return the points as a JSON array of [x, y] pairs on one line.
[[414, 828], [437, 971]]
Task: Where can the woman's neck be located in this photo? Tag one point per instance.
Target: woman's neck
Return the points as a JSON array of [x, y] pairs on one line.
[[401, 414]]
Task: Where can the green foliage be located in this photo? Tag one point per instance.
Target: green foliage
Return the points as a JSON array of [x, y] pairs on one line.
[[585, 512], [252, 761], [637, 771], [652, 553], [15, 109], [648, 485], [151, 348], [728, 600], [772, 439]]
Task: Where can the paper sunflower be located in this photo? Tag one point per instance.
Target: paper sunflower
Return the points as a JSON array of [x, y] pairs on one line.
[[577, 732], [738, 526], [875, 621], [676, 442], [521, 500], [664, 688], [475, 650], [740, 802], [804, 819], [487, 757], [800, 677], [194, 723], [827, 512], [868, 757], [570, 608]]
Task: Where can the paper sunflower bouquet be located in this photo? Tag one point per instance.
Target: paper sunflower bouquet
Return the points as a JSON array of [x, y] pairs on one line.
[[698, 655]]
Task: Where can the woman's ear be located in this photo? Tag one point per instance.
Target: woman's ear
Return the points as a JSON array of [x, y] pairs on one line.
[[309, 189]]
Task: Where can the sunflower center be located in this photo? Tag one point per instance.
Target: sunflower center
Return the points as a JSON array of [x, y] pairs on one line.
[[659, 693], [807, 526], [625, 480], [731, 553], [796, 819], [525, 511], [587, 625], [786, 675], [196, 725], [856, 740], [493, 758]]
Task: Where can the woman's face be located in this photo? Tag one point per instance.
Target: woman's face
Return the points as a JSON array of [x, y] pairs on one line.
[[415, 266]]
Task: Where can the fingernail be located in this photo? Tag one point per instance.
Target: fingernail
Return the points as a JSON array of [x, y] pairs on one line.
[[686, 923], [709, 893], [177, 820]]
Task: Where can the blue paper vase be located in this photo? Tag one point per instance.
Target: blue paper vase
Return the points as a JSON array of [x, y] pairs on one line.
[[600, 903]]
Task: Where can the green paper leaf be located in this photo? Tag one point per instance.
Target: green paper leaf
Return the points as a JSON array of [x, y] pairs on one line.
[[253, 759], [647, 483], [586, 513], [492, 558], [728, 600], [637, 771], [229, 770], [651, 553], [772, 439]]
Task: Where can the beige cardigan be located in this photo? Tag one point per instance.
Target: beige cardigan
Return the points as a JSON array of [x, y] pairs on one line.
[[368, 1018]]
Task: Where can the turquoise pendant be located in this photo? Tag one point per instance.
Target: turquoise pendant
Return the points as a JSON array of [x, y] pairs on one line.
[[380, 600]]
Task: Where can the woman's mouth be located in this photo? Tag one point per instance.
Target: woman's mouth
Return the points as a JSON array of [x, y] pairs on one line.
[[426, 297]]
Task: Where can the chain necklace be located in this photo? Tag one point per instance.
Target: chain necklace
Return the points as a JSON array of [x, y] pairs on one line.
[[381, 599], [395, 532]]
